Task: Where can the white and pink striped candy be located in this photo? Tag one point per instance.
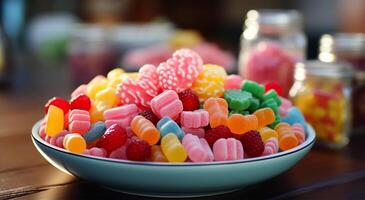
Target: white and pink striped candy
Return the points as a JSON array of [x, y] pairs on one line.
[[167, 104], [197, 152], [271, 146], [200, 132], [299, 132], [121, 115], [194, 119], [227, 149], [79, 121], [284, 107]]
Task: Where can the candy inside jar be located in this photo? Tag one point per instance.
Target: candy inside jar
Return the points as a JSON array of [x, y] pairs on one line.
[[322, 93], [271, 44]]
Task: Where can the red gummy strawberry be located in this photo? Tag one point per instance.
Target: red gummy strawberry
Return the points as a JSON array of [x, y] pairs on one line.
[[275, 86], [212, 135], [190, 100], [58, 102], [148, 114], [138, 150], [81, 102], [114, 137], [252, 143]]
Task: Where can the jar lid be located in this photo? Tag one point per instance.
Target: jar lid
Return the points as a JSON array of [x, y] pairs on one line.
[[274, 17], [323, 69], [343, 43]]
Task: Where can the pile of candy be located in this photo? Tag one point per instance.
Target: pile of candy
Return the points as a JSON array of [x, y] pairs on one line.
[[180, 111]]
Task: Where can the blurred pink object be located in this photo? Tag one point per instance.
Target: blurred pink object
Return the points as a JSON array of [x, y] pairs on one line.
[[233, 82], [95, 151], [212, 54], [269, 62]]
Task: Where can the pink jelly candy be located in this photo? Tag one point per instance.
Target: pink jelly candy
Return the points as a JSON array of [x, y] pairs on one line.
[[167, 104], [58, 139], [271, 146], [208, 150], [95, 151], [194, 119], [179, 72], [79, 121], [233, 82], [227, 149], [200, 132], [269, 62], [119, 153], [121, 115], [194, 148], [284, 107]]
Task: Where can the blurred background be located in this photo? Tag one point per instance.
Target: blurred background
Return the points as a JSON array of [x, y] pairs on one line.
[[45, 44]]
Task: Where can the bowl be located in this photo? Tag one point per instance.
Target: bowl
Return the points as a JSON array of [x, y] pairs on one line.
[[172, 179]]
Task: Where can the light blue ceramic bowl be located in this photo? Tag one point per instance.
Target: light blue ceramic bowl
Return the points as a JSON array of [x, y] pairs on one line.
[[168, 179]]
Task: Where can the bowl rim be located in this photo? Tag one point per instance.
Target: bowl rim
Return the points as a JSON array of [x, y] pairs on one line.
[[310, 139]]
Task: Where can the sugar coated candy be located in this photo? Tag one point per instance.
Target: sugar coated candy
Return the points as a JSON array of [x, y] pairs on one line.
[[121, 115], [210, 82], [240, 124], [237, 99], [194, 148], [79, 121], [180, 71], [194, 119]]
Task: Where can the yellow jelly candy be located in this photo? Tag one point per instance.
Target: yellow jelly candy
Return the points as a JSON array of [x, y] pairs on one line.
[[113, 83], [172, 148], [96, 114], [97, 84], [54, 121], [130, 75], [210, 82], [74, 143], [106, 98], [115, 74], [267, 133]]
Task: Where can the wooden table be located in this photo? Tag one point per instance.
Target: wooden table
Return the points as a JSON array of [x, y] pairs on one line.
[[24, 174]]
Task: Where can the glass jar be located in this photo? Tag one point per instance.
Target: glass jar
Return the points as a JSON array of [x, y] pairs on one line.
[[90, 53], [322, 92], [349, 47], [271, 43]]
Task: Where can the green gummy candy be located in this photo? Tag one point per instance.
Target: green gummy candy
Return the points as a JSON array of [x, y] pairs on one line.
[[254, 88], [237, 99], [271, 94], [270, 103], [255, 104]]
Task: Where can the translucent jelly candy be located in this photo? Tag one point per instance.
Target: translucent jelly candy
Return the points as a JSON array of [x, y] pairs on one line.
[[210, 82], [240, 124], [195, 149], [173, 149], [79, 121], [145, 130], [287, 138], [179, 72], [265, 116], [271, 94], [81, 102], [106, 98], [156, 154], [167, 104], [95, 132], [237, 99], [218, 111], [58, 102], [227, 149], [166, 125], [114, 137], [121, 115], [115, 74], [97, 84], [233, 82], [74, 143], [54, 121], [194, 119], [267, 133]]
